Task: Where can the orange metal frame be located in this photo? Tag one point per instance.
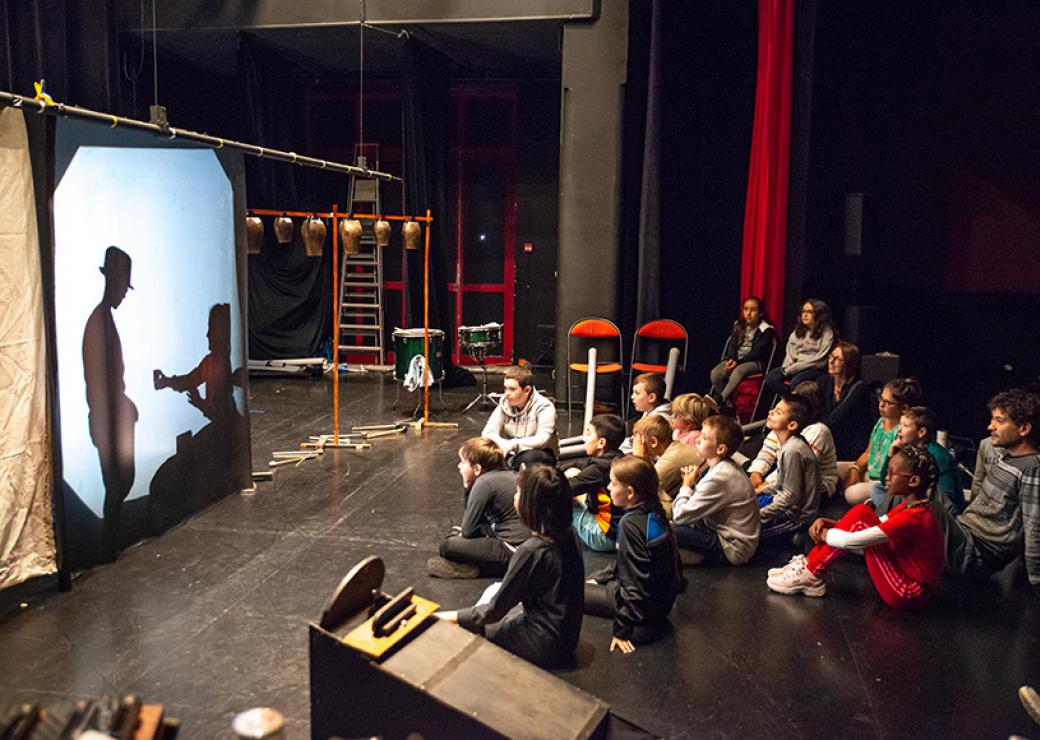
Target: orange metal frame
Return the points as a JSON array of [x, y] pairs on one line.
[[335, 215]]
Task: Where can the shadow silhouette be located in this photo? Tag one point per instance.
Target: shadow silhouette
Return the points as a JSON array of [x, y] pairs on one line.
[[112, 415], [209, 464]]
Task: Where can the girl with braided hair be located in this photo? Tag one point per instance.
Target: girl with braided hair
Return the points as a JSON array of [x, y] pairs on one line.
[[903, 550]]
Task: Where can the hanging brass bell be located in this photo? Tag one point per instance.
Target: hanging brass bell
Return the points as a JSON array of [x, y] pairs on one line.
[[382, 232], [283, 228], [313, 232], [254, 234], [412, 232], [350, 235]]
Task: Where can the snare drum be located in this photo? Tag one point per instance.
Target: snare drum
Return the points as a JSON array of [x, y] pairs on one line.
[[484, 336], [408, 343]]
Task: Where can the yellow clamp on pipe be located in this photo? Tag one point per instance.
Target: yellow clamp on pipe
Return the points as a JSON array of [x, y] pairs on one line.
[[41, 95]]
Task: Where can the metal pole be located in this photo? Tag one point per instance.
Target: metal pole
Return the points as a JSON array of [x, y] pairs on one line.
[[169, 132]]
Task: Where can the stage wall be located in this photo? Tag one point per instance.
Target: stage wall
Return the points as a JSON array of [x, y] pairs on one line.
[[149, 333], [26, 535]]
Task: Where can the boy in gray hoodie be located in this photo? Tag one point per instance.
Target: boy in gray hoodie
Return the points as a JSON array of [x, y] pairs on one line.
[[524, 423]]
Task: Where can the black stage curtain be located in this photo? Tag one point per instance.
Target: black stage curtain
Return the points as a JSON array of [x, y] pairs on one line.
[[640, 218], [73, 46], [290, 300], [425, 110]]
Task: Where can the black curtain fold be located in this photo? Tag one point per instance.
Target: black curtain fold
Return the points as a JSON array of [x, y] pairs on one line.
[[640, 206], [648, 303], [290, 298], [73, 46], [425, 115]]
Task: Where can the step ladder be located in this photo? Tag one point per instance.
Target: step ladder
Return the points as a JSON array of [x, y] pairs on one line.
[[361, 328]]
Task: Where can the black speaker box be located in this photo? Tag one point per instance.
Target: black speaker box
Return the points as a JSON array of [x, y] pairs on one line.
[[880, 368]]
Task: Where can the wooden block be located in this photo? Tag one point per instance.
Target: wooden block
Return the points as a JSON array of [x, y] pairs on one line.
[[361, 637]]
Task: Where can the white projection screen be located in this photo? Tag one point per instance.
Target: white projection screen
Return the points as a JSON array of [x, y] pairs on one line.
[[152, 379]]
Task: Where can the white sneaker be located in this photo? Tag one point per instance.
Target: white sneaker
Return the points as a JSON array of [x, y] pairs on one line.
[[799, 581], [798, 561]]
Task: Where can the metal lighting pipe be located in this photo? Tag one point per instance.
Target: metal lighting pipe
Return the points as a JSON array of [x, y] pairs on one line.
[[169, 132]]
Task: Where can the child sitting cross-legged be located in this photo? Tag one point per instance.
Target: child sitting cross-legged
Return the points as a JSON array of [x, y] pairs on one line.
[[715, 514], [903, 550], [917, 427], [639, 588], [688, 414], [535, 612], [593, 515], [648, 391], [491, 530], [762, 469], [653, 440], [792, 501]]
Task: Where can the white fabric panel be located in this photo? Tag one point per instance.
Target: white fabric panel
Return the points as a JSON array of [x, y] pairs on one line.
[[26, 532]]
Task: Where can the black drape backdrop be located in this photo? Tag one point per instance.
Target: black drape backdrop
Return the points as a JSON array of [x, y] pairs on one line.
[[648, 304], [290, 300], [74, 46], [689, 109], [425, 111]]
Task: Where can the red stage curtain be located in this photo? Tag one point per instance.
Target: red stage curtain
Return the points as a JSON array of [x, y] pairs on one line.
[[765, 214]]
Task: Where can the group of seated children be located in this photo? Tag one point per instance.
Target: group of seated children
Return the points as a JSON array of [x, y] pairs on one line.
[[680, 498]]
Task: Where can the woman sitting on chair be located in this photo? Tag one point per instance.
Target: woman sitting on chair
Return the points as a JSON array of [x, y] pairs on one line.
[[807, 349], [746, 352], [847, 408]]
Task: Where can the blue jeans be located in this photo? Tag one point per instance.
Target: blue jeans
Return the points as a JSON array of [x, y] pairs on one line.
[[588, 529], [700, 538]]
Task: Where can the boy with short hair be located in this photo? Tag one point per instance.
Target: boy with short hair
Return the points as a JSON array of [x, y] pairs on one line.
[[648, 391], [791, 503], [716, 514], [1003, 519], [595, 519], [653, 440], [491, 529], [523, 424], [917, 426]]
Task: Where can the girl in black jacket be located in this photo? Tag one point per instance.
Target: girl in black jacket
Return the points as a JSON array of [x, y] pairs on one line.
[[536, 610], [638, 590], [747, 350]]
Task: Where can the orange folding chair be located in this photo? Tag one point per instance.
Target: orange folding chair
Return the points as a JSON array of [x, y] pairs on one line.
[[602, 334], [663, 334]]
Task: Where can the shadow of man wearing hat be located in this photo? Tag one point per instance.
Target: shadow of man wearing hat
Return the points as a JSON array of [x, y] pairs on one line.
[[112, 415]]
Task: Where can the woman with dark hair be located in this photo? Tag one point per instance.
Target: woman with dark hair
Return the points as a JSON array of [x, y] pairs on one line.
[[807, 348], [747, 350], [846, 399], [536, 611]]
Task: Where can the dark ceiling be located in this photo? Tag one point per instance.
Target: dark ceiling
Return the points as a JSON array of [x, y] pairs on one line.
[[505, 50]]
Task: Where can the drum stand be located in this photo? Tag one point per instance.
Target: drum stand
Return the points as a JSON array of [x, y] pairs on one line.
[[479, 353]]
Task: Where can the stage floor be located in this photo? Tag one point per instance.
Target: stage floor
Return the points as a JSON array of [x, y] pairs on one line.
[[211, 618]]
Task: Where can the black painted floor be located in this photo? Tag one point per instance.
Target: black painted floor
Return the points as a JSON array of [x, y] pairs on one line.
[[210, 619]]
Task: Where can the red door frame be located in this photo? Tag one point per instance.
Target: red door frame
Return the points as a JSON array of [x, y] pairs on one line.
[[504, 157]]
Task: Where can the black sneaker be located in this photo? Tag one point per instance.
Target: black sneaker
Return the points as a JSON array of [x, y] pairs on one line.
[[439, 567]]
